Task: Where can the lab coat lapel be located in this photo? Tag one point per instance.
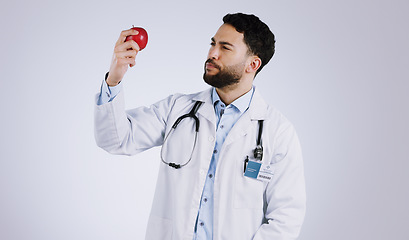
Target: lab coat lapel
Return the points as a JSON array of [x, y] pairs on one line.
[[257, 111], [207, 108], [258, 107]]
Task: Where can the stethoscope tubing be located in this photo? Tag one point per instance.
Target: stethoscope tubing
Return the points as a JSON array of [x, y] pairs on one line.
[[191, 114]]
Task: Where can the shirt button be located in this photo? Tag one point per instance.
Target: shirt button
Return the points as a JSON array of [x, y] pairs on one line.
[[215, 151], [202, 224], [210, 175], [222, 105], [221, 126], [205, 199]]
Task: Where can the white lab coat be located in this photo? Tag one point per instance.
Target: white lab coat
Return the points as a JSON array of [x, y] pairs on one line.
[[244, 208]]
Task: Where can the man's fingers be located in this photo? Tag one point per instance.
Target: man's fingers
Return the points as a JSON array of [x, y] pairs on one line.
[[124, 34], [129, 45], [127, 54], [124, 55], [126, 61], [134, 45]]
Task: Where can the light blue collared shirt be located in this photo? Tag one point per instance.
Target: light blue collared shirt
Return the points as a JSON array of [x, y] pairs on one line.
[[108, 93], [226, 117]]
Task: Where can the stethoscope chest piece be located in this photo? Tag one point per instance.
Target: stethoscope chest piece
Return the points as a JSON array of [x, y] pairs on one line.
[[258, 152]]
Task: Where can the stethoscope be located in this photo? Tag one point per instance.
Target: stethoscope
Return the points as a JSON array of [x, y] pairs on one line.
[[191, 114], [258, 151]]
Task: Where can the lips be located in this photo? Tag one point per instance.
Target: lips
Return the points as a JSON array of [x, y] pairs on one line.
[[210, 64]]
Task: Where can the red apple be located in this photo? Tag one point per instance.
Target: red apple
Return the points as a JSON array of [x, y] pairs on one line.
[[141, 39]]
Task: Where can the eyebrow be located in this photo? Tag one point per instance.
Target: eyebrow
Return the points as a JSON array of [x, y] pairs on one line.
[[222, 42]]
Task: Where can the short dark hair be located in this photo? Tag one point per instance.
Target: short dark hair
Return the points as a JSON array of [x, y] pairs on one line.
[[257, 35]]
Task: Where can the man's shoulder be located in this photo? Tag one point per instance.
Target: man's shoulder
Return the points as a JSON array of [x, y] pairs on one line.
[[202, 96], [271, 113]]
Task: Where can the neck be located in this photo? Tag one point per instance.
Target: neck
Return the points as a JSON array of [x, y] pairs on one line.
[[230, 93]]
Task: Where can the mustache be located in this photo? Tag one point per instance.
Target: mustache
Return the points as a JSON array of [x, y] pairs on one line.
[[213, 63]]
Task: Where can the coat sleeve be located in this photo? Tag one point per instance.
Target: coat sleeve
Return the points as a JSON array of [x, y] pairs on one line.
[[284, 197], [129, 132]]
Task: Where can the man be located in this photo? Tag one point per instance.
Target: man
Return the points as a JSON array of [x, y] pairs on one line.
[[232, 168]]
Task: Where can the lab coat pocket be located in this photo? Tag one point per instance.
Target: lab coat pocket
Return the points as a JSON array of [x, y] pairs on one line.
[[248, 192], [159, 228]]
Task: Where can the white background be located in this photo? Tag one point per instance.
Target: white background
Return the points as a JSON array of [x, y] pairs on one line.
[[340, 74]]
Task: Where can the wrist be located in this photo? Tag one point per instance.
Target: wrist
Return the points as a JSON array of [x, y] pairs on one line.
[[109, 82]]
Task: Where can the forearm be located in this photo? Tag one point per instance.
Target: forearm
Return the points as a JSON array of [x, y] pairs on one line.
[[112, 128], [129, 132]]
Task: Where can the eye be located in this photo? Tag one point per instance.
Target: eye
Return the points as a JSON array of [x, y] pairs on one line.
[[226, 48], [212, 43]]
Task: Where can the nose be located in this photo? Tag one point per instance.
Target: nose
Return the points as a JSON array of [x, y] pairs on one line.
[[213, 53]]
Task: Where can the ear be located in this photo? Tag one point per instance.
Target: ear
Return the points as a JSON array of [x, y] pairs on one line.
[[254, 65]]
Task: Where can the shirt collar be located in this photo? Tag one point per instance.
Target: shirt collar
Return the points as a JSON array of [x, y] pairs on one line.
[[241, 103]]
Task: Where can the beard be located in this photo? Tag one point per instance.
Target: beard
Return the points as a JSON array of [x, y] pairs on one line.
[[228, 76]]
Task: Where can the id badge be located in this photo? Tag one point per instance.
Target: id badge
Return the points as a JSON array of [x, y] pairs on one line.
[[256, 170]]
